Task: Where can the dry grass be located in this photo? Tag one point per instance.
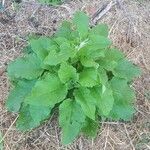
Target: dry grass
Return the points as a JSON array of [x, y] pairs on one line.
[[129, 30]]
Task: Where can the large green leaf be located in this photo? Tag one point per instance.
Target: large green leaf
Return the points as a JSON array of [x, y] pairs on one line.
[[84, 98], [39, 113], [55, 57], [122, 111], [95, 47], [25, 121], [65, 30], [105, 105], [110, 61], [47, 91], [67, 73], [32, 116], [122, 91], [81, 21], [99, 42], [104, 99], [18, 94], [89, 77], [41, 46], [88, 62], [91, 51], [90, 127], [71, 118], [28, 67], [101, 29], [100, 97], [126, 70], [123, 99]]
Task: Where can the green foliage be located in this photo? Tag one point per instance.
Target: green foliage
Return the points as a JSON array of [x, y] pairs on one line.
[[18, 94], [28, 67], [49, 90], [67, 73], [31, 116], [50, 2], [90, 127], [89, 77], [81, 23], [83, 97], [124, 96], [77, 71], [71, 119]]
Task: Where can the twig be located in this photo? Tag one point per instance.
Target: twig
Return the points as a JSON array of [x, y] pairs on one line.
[[112, 123], [101, 12], [111, 146], [107, 135], [8, 129], [127, 133]]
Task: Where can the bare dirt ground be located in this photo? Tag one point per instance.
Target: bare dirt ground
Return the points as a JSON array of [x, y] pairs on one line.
[[129, 25]]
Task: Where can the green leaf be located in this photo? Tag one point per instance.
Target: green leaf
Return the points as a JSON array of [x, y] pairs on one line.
[[67, 72], [126, 70], [84, 98], [27, 67], [102, 76], [32, 116], [107, 101], [18, 94], [110, 61], [52, 59], [51, 2], [123, 99], [95, 47], [41, 46], [99, 42], [122, 91], [55, 58], [81, 21], [71, 118], [65, 30], [104, 97], [27, 49], [90, 127], [61, 40], [101, 29], [47, 91], [39, 113], [89, 77], [88, 62], [66, 51], [100, 97], [91, 52], [122, 111]]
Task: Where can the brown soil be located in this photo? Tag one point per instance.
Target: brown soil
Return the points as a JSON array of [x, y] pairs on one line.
[[129, 30]]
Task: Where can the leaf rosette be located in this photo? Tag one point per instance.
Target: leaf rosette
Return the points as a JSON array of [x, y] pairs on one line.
[[78, 71]]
